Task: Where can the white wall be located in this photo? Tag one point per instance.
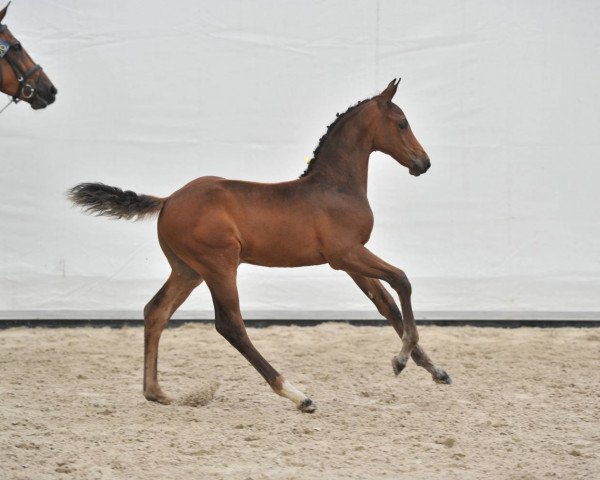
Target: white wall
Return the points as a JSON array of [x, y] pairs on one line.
[[503, 96]]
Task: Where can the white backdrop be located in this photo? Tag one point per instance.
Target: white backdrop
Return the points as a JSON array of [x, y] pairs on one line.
[[503, 96]]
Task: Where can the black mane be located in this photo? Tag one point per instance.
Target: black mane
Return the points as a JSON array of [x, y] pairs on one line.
[[339, 116]]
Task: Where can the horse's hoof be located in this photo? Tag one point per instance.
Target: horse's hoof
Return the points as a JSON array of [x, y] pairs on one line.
[[158, 397], [307, 406], [440, 376], [398, 364]]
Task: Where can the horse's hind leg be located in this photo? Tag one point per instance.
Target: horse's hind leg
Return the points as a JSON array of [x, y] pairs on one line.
[[229, 323], [386, 305], [157, 314]]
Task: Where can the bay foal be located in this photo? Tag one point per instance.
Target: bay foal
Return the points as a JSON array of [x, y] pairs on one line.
[[211, 225]]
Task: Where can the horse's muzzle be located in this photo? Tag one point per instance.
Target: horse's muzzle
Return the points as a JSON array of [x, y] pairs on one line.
[[420, 165], [43, 98]]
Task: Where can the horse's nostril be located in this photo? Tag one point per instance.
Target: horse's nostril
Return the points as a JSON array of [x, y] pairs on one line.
[[53, 90], [422, 164]]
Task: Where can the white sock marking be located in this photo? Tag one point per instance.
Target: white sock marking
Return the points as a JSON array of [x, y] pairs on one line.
[[291, 392]]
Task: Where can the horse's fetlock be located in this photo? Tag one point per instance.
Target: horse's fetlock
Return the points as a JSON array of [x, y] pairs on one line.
[[411, 340]]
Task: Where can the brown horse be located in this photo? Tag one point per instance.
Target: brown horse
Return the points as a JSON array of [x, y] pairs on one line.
[[20, 76], [211, 225]]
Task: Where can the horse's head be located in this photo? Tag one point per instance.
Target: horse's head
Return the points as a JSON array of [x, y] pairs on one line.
[[20, 76], [392, 133]]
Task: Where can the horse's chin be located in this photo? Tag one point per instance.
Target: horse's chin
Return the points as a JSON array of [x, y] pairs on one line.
[[38, 103], [414, 173]]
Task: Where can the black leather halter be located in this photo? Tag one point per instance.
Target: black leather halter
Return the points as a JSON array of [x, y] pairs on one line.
[[24, 91]]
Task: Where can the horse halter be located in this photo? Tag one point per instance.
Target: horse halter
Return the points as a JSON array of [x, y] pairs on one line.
[[25, 91]]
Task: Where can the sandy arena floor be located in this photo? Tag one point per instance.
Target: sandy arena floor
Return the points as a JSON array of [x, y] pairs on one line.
[[525, 404]]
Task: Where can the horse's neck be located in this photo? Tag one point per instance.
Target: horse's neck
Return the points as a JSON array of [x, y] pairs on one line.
[[343, 160]]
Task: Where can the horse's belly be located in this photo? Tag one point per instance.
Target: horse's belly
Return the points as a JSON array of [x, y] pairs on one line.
[[282, 247], [287, 261]]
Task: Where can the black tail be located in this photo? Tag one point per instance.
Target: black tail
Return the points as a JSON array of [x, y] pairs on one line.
[[103, 200]]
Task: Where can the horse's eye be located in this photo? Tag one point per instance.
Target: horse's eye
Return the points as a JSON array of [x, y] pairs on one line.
[[16, 46], [403, 124]]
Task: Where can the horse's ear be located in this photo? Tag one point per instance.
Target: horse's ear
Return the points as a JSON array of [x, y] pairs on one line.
[[3, 11], [390, 90]]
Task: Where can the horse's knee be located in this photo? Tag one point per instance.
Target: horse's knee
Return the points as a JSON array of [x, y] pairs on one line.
[[400, 282]]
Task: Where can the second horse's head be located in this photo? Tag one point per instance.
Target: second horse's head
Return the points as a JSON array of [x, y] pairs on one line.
[[20, 76]]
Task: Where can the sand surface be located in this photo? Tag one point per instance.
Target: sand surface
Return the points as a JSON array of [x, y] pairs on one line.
[[525, 404]]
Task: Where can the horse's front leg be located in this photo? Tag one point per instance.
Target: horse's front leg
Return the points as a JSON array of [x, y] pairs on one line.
[[358, 260], [386, 305]]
